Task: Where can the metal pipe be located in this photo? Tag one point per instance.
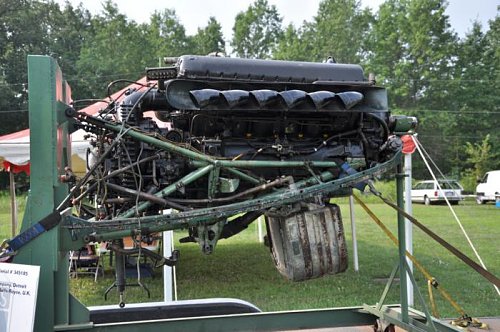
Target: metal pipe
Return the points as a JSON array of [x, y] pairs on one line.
[[193, 176], [268, 163], [13, 202], [140, 194], [244, 176], [408, 224], [247, 192], [149, 197], [402, 246], [353, 231]]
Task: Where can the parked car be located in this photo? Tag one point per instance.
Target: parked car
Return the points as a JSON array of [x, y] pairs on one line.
[[488, 187], [428, 192]]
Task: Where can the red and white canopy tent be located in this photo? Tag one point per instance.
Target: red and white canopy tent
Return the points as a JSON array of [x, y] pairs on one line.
[[15, 147]]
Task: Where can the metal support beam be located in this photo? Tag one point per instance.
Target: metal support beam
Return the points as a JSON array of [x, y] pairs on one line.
[[402, 245], [408, 224], [49, 155], [13, 202], [353, 231]]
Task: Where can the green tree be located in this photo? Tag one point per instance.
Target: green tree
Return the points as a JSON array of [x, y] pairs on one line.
[[480, 159], [20, 36], [339, 29], [118, 48], [66, 38], [167, 36], [256, 31], [473, 94], [296, 44], [412, 51], [209, 39]]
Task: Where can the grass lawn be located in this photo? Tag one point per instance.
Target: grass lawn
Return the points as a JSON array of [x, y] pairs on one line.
[[242, 268]]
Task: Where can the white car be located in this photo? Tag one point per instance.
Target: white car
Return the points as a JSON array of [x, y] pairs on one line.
[[488, 188], [428, 192]]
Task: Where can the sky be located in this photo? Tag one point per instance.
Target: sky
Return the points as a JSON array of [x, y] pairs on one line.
[[195, 13]]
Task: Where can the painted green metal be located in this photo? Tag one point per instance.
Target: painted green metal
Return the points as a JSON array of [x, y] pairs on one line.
[[49, 148], [392, 315], [271, 164], [244, 176], [213, 182], [227, 186], [178, 185], [268, 321], [380, 310], [304, 189], [429, 321], [402, 317], [390, 282]]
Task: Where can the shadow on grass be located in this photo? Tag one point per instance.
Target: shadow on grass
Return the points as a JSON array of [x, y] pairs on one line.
[[246, 271]]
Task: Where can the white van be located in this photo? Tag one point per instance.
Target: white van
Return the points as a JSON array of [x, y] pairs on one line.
[[488, 187]]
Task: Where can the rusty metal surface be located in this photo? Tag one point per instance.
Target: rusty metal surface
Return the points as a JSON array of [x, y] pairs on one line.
[[308, 243]]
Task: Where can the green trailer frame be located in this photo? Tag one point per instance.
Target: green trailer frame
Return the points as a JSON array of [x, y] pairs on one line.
[[58, 310]]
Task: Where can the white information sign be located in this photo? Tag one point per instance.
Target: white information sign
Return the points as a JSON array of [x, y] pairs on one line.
[[18, 290]]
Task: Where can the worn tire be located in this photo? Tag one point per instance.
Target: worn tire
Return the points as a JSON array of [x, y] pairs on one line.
[[479, 200]]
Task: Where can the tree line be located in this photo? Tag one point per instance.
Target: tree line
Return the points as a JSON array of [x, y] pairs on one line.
[[451, 84]]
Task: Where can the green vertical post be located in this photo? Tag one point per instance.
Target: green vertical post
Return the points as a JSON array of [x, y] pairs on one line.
[[50, 149], [402, 245]]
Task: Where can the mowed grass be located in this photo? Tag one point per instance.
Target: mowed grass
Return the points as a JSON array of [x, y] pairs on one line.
[[241, 267]]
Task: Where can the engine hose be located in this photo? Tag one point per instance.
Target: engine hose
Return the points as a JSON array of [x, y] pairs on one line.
[[382, 123]]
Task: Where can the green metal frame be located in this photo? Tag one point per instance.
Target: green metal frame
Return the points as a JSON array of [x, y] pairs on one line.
[[57, 310], [50, 152]]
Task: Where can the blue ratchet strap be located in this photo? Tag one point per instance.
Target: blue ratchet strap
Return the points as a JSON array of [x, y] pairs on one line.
[[34, 231], [348, 170]]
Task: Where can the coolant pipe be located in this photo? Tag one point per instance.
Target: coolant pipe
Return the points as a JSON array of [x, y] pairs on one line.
[[268, 163]]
